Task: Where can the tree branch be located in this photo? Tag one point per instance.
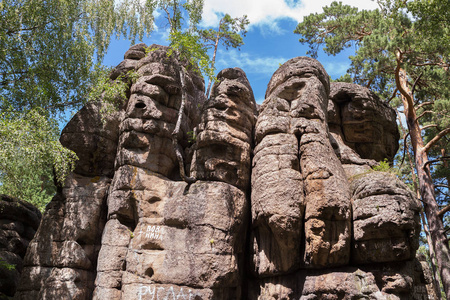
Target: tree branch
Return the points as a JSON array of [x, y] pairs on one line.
[[443, 211], [393, 95], [444, 65], [428, 126], [425, 112], [442, 186], [415, 82], [436, 139], [404, 149], [424, 104], [169, 19], [400, 80], [435, 161]]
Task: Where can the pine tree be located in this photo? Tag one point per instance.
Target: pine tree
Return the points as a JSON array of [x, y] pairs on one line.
[[401, 51]]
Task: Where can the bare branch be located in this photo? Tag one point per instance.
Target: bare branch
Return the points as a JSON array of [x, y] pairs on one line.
[[169, 19], [393, 95], [443, 211], [424, 104], [415, 82], [404, 148], [445, 186], [425, 112], [436, 139], [428, 126], [435, 161]]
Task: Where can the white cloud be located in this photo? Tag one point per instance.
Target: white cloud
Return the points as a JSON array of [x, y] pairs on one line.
[[266, 12], [247, 62]]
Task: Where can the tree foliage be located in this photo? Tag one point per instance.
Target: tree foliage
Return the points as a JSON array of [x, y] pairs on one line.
[[49, 48], [230, 32], [50, 64], [50, 53], [401, 52], [30, 153]]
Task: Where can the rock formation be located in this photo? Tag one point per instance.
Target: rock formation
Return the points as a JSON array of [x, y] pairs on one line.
[[18, 223], [285, 206]]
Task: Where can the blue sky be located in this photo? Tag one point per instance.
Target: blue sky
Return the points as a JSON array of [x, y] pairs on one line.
[[270, 40]]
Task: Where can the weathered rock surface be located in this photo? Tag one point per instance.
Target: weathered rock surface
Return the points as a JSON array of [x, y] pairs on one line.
[[364, 123], [225, 134], [386, 221], [293, 186], [18, 224], [175, 239], [399, 281], [61, 260], [285, 205]]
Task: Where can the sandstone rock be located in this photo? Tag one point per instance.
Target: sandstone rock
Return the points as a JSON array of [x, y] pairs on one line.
[[386, 220], [285, 205], [292, 139], [382, 282], [364, 122], [19, 221], [61, 260], [67, 242], [224, 139], [163, 237]]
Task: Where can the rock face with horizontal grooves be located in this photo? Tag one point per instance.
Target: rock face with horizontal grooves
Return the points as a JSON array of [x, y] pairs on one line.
[[285, 205], [166, 238], [295, 191], [19, 221], [364, 122], [225, 134]]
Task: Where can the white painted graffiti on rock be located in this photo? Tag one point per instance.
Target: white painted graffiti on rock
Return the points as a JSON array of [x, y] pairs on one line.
[[147, 292], [152, 232]]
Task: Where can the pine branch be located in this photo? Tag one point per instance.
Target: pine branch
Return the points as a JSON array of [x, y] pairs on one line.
[[424, 104], [393, 95], [425, 112], [428, 126], [415, 82], [435, 161], [436, 139], [443, 211]]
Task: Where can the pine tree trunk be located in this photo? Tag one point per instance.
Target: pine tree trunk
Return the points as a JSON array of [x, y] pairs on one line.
[[436, 284], [212, 65], [426, 187], [436, 276]]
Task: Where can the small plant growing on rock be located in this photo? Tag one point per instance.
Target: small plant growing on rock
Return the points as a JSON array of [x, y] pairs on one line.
[[192, 137], [383, 166], [6, 265]]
